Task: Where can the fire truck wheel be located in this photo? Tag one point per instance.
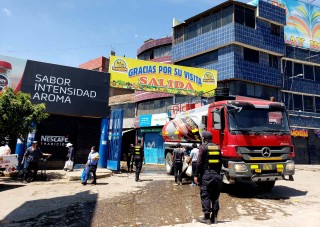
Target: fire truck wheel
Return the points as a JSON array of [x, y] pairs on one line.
[[265, 186], [169, 165]]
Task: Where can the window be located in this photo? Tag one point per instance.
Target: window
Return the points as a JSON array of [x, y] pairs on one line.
[[206, 24], [201, 60], [317, 102], [273, 61], [252, 90], [275, 29], [297, 69], [153, 106], [239, 14], [317, 73], [297, 102], [308, 72], [178, 35], [216, 20], [287, 67], [162, 51], [250, 55], [192, 30], [289, 101], [250, 19], [227, 15], [308, 103], [244, 16]]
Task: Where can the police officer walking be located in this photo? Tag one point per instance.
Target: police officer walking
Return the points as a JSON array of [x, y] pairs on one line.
[[129, 158], [178, 159], [138, 156], [208, 177]]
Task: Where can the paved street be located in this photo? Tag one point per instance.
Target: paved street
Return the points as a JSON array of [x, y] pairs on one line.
[[120, 201]]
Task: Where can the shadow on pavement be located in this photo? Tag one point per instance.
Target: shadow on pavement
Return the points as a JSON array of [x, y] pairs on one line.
[[4, 187], [250, 191], [59, 211]]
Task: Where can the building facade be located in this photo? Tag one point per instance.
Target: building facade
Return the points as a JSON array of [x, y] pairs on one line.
[[245, 44], [256, 57]]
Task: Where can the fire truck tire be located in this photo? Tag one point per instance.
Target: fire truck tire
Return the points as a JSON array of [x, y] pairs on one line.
[[169, 164], [265, 186]]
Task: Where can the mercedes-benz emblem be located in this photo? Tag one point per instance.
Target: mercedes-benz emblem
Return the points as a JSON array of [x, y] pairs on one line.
[[266, 152]]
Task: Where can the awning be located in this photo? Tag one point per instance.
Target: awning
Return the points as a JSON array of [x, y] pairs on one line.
[[125, 131]]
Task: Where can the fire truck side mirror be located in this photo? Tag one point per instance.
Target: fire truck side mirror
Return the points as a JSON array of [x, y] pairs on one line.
[[217, 119]]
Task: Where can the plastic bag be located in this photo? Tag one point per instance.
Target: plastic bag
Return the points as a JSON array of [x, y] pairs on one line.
[[189, 171], [68, 165], [85, 175]]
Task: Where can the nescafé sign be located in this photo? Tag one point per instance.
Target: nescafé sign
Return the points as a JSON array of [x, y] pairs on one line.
[[157, 77]]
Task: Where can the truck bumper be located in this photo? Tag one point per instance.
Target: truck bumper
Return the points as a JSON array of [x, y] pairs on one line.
[[261, 171]]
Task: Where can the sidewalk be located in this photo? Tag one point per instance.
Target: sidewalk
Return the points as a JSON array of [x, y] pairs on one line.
[[308, 167], [76, 173]]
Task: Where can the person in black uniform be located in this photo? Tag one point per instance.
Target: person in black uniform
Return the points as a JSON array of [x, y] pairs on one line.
[[208, 177], [178, 159], [138, 156], [129, 158]]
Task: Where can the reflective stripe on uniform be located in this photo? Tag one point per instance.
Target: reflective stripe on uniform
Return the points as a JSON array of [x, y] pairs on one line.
[[214, 160], [137, 152], [213, 147], [214, 152]]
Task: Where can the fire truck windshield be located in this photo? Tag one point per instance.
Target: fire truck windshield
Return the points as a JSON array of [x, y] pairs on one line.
[[258, 120]]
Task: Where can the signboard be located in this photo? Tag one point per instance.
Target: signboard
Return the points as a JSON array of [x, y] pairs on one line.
[[303, 23], [153, 120], [157, 77], [299, 132], [64, 90]]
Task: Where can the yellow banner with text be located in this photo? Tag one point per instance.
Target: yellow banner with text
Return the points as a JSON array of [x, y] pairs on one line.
[[157, 77]]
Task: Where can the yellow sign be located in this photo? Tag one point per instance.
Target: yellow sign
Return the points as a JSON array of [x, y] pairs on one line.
[[157, 77], [299, 132]]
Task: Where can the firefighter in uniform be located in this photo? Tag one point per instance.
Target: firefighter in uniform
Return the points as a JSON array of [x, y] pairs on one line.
[[138, 156], [208, 177], [129, 158]]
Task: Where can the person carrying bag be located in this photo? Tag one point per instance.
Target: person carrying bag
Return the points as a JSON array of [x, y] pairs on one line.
[[91, 166]]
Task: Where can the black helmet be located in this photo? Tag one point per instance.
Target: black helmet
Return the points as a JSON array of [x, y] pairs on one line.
[[207, 135], [178, 144]]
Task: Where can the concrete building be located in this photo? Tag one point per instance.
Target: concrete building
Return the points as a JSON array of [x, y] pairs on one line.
[[256, 55], [245, 44]]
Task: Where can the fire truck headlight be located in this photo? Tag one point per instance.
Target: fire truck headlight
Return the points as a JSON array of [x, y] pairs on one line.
[[290, 166], [240, 168]]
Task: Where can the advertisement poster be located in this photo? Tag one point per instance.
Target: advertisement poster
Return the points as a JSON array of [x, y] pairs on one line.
[[157, 77], [65, 90], [153, 120], [303, 23]]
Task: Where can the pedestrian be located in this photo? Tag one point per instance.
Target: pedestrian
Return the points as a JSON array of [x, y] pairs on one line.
[[193, 159], [208, 176], [129, 158], [138, 157], [70, 155], [92, 164], [178, 159], [30, 161]]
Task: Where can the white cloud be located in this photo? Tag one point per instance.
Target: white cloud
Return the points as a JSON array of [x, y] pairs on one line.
[[6, 11], [136, 36]]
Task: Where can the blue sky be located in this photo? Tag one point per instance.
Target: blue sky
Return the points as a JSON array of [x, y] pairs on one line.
[[71, 32]]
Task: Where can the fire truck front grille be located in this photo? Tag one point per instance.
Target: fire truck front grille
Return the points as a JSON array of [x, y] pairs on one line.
[[263, 152]]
